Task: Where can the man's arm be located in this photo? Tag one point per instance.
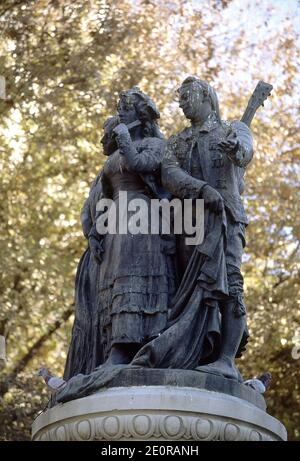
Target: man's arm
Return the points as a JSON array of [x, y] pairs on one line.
[[174, 178], [184, 186], [239, 143]]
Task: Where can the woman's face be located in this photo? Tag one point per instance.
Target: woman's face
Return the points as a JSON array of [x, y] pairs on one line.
[[127, 111]]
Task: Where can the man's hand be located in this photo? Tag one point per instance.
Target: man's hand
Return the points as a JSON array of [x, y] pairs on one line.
[[96, 248], [231, 145], [121, 129], [231, 148], [212, 199]]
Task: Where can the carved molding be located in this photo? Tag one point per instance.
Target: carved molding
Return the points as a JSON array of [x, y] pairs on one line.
[[157, 413], [153, 427]]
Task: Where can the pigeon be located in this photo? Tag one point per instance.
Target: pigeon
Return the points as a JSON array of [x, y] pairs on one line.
[[260, 384], [54, 383]]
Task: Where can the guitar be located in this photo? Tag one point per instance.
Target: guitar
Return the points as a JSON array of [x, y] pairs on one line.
[[260, 94]]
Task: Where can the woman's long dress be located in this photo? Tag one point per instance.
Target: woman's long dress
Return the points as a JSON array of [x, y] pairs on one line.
[[137, 277]]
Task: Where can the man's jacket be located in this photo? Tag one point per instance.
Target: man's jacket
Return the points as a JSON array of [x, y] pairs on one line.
[[193, 159]]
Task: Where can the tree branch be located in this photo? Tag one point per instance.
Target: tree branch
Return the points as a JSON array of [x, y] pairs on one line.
[[23, 362]]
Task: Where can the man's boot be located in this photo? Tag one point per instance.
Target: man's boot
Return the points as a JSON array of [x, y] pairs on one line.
[[233, 326]]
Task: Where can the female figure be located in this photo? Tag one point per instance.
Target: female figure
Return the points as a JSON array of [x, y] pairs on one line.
[[136, 271], [85, 351]]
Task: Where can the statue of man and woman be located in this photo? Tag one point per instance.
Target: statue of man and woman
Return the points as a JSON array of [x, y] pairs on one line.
[[151, 300]]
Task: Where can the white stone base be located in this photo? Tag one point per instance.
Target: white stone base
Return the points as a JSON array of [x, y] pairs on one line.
[[158, 413]]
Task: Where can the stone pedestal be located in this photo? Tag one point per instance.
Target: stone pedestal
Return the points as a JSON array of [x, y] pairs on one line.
[[162, 412]]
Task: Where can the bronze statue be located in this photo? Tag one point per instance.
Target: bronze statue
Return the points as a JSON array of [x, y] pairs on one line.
[[135, 278], [201, 326], [208, 160], [86, 348]]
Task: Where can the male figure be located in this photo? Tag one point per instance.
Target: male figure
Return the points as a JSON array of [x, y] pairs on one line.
[[207, 160]]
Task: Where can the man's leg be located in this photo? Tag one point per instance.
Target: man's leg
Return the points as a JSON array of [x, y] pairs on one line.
[[233, 311]]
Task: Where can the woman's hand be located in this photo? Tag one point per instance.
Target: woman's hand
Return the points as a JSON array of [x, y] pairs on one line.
[[96, 248], [86, 225], [121, 129], [123, 138]]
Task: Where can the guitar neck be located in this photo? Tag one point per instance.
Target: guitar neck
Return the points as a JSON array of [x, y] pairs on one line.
[[249, 113], [260, 94]]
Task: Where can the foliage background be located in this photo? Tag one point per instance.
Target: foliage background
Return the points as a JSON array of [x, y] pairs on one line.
[[64, 64]]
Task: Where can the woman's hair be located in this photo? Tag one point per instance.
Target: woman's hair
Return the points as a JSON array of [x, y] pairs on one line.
[[146, 110]]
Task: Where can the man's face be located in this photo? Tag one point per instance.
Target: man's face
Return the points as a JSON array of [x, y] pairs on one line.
[[191, 102]]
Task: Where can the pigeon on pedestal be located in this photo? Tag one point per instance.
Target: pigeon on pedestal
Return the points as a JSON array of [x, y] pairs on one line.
[[260, 384], [54, 383]]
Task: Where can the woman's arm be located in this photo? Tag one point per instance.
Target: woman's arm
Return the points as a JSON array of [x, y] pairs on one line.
[[85, 214], [145, 159], [85, 217]]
